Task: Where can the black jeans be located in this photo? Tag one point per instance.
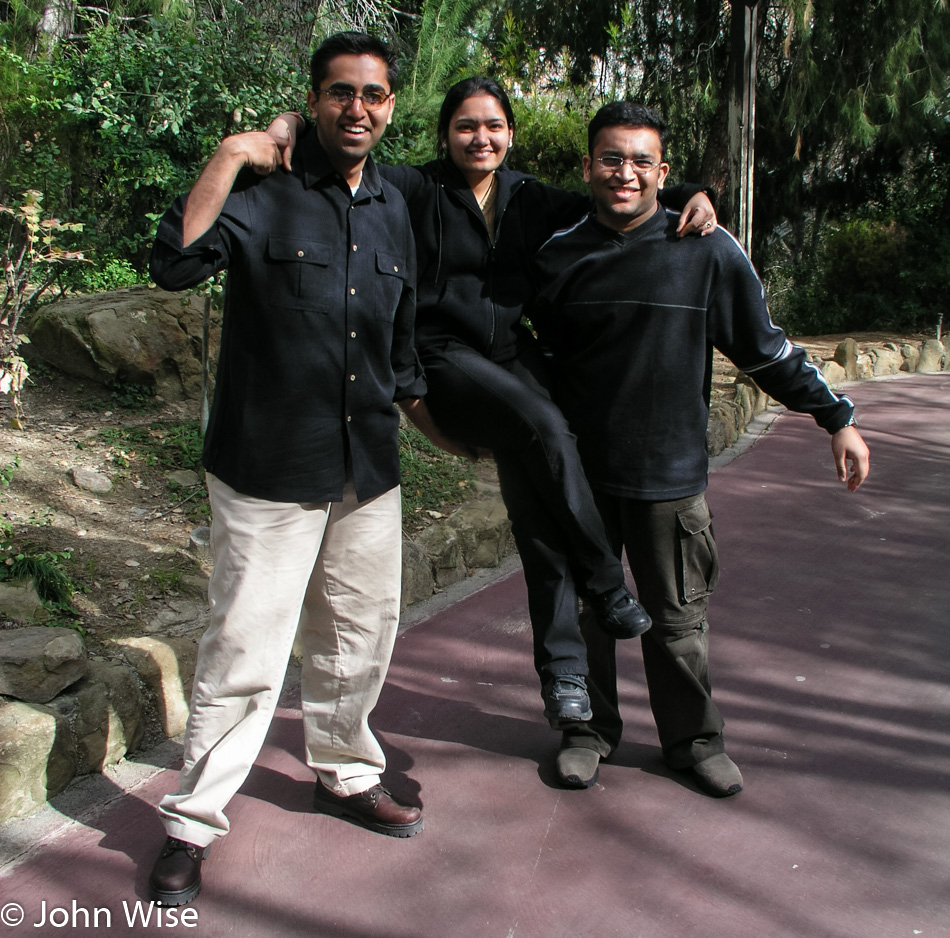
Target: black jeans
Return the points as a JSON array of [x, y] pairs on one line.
[[673, 558], [559, 532]]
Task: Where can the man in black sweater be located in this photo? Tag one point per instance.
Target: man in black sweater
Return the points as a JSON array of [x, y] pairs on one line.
[[631, 315]]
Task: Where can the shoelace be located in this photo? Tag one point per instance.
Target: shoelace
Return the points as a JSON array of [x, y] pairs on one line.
[[567, 685], [175, 845]]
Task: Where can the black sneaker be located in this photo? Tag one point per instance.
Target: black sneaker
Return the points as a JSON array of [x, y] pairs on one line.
[[619, 614], [566, 700]]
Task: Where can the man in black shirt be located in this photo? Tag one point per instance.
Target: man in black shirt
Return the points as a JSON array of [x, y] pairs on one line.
[[631, 315], [301, 452]]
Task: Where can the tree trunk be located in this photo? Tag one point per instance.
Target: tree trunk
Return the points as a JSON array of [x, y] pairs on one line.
[[291, 22], [57, 21], [743, 33]]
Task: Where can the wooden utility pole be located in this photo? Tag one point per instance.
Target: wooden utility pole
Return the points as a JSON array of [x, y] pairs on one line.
[[742, 116]]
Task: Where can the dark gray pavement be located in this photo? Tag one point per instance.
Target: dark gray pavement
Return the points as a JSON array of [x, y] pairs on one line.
[[829, 658]]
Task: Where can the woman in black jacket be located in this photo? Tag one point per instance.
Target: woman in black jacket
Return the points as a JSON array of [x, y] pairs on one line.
[[477, 226]]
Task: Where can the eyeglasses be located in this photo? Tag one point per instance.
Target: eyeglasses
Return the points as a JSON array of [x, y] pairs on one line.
[[344, 97], [640, 166]]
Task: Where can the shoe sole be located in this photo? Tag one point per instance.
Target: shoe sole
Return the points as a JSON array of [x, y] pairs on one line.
[[182, 896], [575, 781], [713, 790], [377, 827], [624, 634], [174, 899]]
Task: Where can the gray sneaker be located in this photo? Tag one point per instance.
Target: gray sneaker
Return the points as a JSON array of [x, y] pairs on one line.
[[577, 767], [566, 700]]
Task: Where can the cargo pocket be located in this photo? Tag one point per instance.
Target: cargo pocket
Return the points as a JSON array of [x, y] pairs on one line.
[[699, 559]]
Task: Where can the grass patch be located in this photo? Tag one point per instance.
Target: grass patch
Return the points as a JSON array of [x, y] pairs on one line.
[[124, 395], [46, 568], [168, 446], [432, 480]]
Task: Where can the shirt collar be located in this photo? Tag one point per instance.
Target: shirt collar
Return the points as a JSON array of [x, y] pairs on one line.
[[314, 165]]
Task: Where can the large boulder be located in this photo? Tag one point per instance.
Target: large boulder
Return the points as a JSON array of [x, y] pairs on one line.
[[931, 357], [167, 668], [483, 531], [846, 355], [834, 373], [440, 544], [911, 356], [38, 662], [885, 361], [417, 581], [139, 335], [20, 601], [36, 757], [106, 713], [724, 427]]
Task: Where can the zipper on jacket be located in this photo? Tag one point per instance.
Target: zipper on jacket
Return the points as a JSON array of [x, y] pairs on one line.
[[491, 262]]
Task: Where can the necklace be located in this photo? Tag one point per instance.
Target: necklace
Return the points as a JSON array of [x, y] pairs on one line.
[[489, 192]]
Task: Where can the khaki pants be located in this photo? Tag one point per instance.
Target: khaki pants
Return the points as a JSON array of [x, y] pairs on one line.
[[335, 570]]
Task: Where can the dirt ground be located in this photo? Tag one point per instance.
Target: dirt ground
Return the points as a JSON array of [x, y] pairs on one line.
[[130, 547], [131, 553]]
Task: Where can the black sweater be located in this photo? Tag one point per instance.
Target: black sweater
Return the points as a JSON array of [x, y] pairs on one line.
[[632, 321]]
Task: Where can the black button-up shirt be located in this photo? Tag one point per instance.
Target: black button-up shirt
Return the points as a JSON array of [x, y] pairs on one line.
[[317, 340]]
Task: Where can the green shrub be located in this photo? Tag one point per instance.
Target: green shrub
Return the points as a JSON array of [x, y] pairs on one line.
[[119, 118], [866, 274], [99, 277]]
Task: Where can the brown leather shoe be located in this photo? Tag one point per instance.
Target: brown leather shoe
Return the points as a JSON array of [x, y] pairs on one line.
[[375, 809], [176, 876]]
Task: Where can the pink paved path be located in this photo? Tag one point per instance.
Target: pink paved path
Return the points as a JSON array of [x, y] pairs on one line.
[[829, 644]]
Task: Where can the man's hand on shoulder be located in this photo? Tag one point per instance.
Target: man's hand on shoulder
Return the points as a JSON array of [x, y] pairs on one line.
[[848, 445], [697, 217], [283, 129], [206, 199], [256, 149]]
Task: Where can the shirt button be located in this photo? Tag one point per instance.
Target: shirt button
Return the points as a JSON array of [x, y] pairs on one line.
[[300, 254], [348, 419], [352, 291], [354, 247], [352, 335], [395, 268], [352, 377]]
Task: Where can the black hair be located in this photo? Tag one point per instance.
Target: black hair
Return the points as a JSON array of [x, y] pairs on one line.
[[351, 43], [462, 91], [627, 114]]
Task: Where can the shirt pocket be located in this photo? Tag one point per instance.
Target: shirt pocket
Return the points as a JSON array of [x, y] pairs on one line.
[[390, 280], [699, 559], [298, 273]]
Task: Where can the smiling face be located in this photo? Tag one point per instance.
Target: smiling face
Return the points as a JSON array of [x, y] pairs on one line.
[[623, 198], [349, 133], [478, 137]]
